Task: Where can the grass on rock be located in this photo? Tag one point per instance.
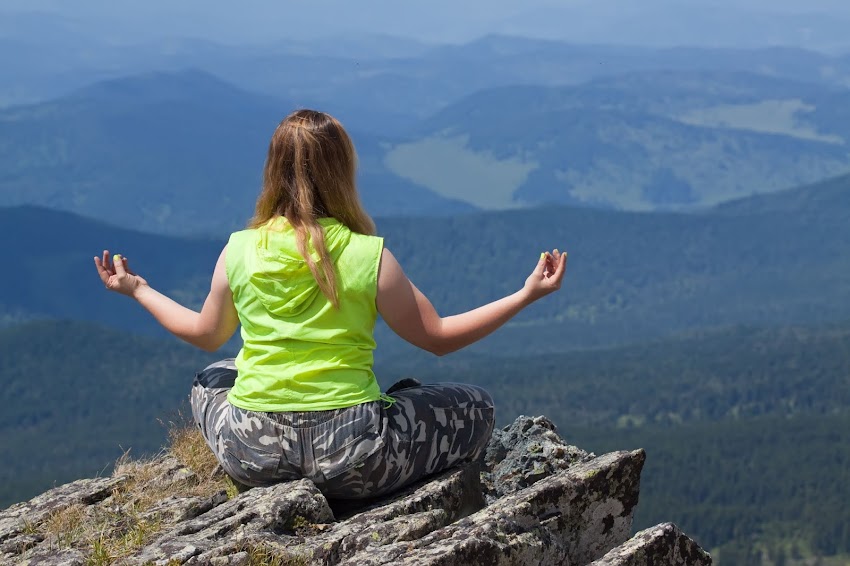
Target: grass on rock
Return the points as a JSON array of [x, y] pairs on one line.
[[128, 519]]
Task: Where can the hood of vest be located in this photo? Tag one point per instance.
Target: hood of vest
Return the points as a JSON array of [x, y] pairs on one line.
[[282, 281]]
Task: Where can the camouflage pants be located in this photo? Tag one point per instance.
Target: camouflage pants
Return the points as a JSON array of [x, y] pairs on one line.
[[360, 451]]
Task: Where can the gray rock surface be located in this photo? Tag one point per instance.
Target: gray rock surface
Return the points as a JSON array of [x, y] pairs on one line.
[[570, 517], [662, 544], [525, 452], [16, 519], [549, 503], [275, 509], [17, 532]]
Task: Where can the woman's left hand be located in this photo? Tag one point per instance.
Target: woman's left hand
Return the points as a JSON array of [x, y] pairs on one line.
[[117, 275]]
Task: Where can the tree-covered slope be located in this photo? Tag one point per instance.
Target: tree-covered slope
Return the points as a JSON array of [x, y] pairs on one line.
[[808, 201], [631, 276], [754, 491], [731, 373], [76, 396], [745, 428]]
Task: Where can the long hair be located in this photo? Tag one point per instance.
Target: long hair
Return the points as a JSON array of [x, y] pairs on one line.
[[310, 174]]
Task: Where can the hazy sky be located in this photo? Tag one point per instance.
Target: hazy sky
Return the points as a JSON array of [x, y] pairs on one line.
[[810, 23]]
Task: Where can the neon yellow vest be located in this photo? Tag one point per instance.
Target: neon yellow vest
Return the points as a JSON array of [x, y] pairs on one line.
[[299, 353]]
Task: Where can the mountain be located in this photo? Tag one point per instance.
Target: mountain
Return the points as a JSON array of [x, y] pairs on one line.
[[53, 252], [647, 141], [166, 152], [365, 79], [631, 276], [176, 152], [830, 194], [815, 25]]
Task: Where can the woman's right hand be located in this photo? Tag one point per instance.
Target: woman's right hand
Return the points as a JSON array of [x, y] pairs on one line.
[[547, 276]]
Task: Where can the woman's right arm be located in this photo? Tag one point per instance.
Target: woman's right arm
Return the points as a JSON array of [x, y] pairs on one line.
[[411, 315]]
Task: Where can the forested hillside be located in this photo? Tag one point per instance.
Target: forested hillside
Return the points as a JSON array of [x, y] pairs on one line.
[[76, 396], [746, 428], [753, 491], [631, 276], [731, 373]]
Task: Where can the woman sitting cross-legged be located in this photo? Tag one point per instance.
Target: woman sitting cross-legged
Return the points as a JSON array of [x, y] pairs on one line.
[[306, 282]]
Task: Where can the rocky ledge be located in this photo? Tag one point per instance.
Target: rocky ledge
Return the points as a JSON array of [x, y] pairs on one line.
[[532, 500]]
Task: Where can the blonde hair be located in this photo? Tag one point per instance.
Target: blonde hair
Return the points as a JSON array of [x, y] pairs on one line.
[[310, 174]]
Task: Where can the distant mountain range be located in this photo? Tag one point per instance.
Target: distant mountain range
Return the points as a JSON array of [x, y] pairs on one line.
[[182, 152], [49, 55], [631, 276], [649, 141], [167, 153]]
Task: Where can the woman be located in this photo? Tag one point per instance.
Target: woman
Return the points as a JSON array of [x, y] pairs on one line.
[[306, 281]]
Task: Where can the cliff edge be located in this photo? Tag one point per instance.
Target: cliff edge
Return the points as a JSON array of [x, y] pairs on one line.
[[533, 499]]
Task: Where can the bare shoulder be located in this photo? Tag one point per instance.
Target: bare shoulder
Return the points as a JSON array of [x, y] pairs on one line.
[[389, 270], [220, 271]]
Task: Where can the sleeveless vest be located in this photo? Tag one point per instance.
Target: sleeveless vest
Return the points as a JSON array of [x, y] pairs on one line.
[[299, 353]]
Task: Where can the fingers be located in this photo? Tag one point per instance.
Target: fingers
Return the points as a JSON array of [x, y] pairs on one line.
[[103, 268], [101, 271], [106, 269], [556, 265], [541, 265], [118, 261], [562, 267]]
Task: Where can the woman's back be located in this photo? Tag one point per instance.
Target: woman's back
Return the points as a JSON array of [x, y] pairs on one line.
[[301, 353]]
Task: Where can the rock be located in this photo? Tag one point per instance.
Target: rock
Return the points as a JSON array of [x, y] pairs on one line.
[[661, 544], [549, 503], [523, 453], [20, 517], [570, 517], [54, 557], [406, 516], [175, 509], [274, 509]]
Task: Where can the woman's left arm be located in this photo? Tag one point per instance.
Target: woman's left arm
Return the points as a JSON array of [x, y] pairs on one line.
[[208, 330]]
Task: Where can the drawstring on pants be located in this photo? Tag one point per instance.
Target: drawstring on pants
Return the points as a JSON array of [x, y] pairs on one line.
[[388, 400]]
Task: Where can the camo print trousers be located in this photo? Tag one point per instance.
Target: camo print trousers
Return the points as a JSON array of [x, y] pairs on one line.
[[357, 452]]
